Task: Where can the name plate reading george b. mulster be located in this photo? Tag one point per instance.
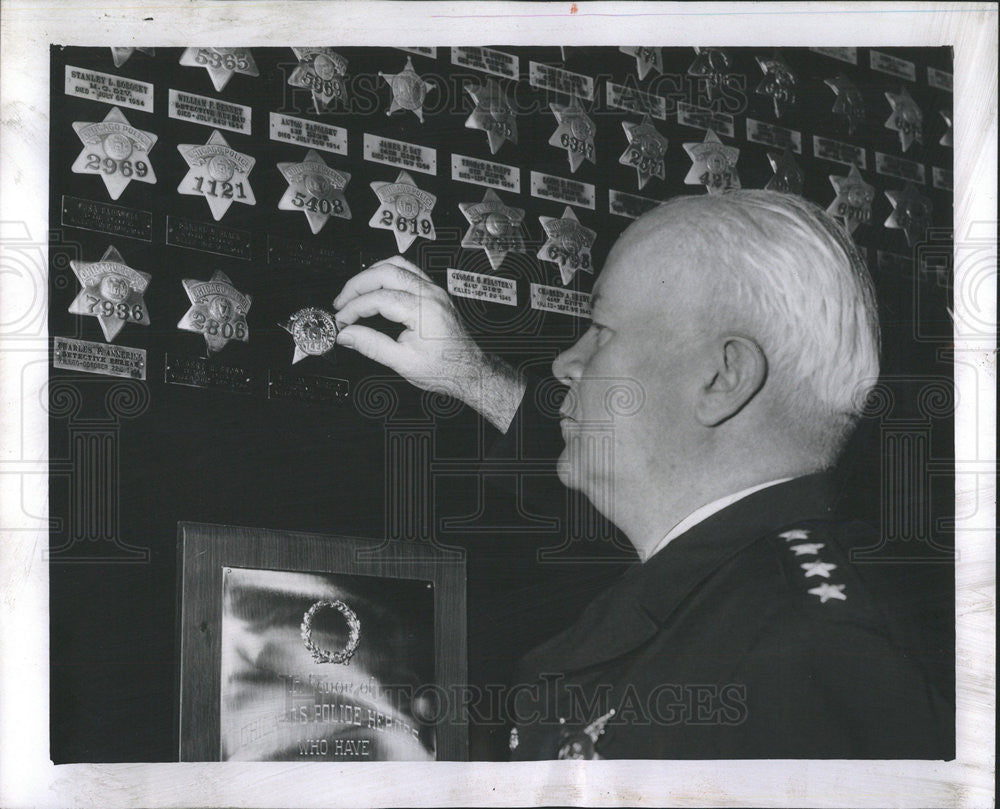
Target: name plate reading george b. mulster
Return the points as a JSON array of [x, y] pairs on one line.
[[198, 372], [104, 217], [208, 238], [480, 287], [99, 358], [209, 111], [109, 89]]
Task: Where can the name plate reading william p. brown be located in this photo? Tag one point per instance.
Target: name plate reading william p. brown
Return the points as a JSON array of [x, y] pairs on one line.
[[480, 287], [99, 358], [774, 135], [209, 111], [629, 205], [891, 166], [839, 152], [208, 238], [399, 153], [109, 89], [199, 372], [633, 100], [547, 77], [322, 390], [721, 123], [486, 60], [558, 299], [104, 217], [467, 169], [303, 132], [561, 189]]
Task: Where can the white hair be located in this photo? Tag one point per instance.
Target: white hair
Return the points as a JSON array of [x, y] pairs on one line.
[[794, 278]]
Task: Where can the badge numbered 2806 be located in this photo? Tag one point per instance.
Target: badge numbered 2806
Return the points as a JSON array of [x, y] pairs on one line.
[[112, 292], [116, 151], [218, 311]]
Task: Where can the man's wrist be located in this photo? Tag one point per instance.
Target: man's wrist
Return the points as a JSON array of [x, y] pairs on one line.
[[499, 393]]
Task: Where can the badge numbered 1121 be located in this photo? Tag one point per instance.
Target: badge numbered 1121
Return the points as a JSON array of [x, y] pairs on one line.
[[116, 151], [315, 189], [405, 210], [112, 292], [218, 311], [218, 173]]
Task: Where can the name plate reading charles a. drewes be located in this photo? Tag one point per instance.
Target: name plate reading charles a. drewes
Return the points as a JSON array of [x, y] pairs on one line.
[[630, 205], [99, 358], [104, 217], [480, 287], [311, 134], [486, 60], [109, 89], [399, 153], [839, 152], [893, 65], [558, 299], [321, 390], [561, 189], [199, 372], [701, 118], [774, 135], [637, 101], [891, 166], [208, 238], [547, 77], [849, 55], [209, 111], [482, 172]]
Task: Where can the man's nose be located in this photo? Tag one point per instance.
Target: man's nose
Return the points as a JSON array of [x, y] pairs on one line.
[[568, 366]]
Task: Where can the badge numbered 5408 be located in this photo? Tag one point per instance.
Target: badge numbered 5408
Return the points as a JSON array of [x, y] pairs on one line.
[[116, 151]]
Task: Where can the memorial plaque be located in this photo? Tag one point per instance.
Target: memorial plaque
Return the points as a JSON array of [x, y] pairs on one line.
[[104, 217], [398, 153], [311, 389], [98, 358], [467, 169], [557, 299], [199, 372], [632, 206], [208, 238], [774, 135], [487, 60], [304, 132], [942, 178], [481, 287], [547, 77], [701, 118], [838, 152], [892, 166], [849, 55], [299, 647], [108, 88], [209, 111], [285, 253], [893, 65], [562, 189], [628, 98], [940, 79]]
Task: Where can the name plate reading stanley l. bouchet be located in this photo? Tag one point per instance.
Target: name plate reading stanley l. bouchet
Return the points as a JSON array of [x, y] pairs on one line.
[[301, 647]]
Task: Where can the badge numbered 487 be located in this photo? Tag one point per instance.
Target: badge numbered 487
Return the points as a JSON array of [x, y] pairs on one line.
[[218, 173], [112, 292], [116, 151]]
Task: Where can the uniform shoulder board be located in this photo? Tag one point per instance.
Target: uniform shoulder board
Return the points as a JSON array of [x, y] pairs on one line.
[[813, 564]]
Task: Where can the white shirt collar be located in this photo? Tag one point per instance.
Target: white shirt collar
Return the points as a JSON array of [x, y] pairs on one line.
[[706, 511]]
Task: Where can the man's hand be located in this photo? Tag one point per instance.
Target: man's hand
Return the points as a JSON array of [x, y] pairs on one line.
[[434, 351]]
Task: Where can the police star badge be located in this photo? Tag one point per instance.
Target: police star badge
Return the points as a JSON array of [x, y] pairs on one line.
[[788, 176], [645, 150], [853, 204], [122, 55], [575, 133], [580, 745], [850, 104], [568, 244], [221, 63], [493, 227], [778, 83], [314, 332], [911, 212], [321, 70], [946, 138], [408, 90], [315, 189], [713, 164], [492, 114], [711, 65], [906, 119], [116, 151], [404, 209], [646, 59], [218, 173], [112, 292], [218, 311]]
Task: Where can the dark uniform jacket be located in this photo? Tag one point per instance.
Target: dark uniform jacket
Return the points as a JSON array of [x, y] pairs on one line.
[[752, 635]]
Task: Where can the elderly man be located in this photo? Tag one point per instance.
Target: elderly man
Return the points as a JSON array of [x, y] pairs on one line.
[[744, 328]]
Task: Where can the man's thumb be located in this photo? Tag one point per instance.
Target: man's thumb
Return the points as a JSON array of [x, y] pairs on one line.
[[371, 343]]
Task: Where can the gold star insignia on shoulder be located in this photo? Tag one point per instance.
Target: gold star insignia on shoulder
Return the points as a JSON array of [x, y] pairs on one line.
[[818, 569], [112, 292], [853, 204], [788, 176], [575, 133], [850, 103], [911, 211], [807, 549], [778, 83], [218, 311], [946, 138], [315, 189], [568, 244], [321, 70], [492, 114], [314, 332], [122, 55], [713, 164], [221, 63], [906, 119], [116, 151], [646, 59], [493, 227], [405, 210], [826, 591], [218, 173], [711, 65], [645, 150], [795, 533], [408, 90]]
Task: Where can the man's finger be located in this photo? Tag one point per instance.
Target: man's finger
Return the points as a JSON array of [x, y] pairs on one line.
[[372, 344], [397, 306], [390, 273]]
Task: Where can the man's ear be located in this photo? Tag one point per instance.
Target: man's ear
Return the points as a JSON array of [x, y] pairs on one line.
[[740, 369]]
